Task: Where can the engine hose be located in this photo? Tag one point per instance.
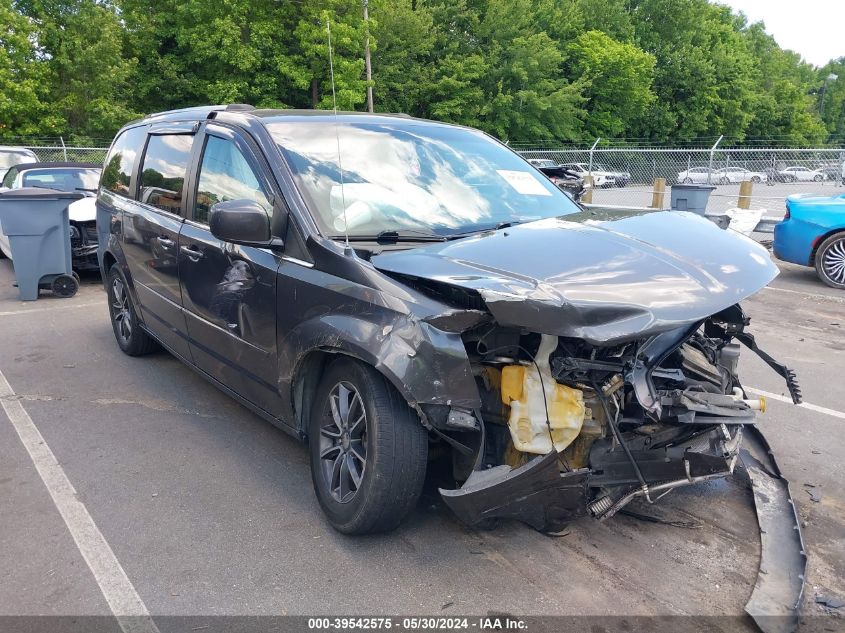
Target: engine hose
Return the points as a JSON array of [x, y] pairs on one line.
[[612, 422]]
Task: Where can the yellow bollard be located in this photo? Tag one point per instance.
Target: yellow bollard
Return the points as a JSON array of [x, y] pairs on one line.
[[658, 193], [745, 188], [587, 198]]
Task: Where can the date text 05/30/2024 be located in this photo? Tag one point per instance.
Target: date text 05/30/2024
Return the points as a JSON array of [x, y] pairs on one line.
[[485, 623]]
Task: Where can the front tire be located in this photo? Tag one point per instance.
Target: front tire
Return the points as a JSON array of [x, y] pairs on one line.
[[368, 450], [830, 261], [755, 179], [131, 339], [818, 178]]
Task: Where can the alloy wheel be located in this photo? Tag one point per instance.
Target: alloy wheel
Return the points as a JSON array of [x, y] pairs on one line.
[[121, 314], [343, 442], [833, 262]]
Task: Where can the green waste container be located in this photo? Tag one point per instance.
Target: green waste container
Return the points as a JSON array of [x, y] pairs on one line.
[[35, 221]]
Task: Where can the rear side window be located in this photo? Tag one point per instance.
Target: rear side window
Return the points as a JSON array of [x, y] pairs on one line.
[[117, 171], [225, 175], [163, 171]]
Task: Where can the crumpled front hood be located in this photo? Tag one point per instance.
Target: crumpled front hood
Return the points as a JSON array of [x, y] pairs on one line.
[[83, 210], [605, 280]]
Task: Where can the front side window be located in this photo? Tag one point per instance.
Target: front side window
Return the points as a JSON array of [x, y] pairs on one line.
[[63, 179], [163, 171], [117, 171], [407, 175], [225, 175]]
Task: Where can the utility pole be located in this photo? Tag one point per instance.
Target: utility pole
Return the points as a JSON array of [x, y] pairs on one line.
[[830, 77], [367, 57]]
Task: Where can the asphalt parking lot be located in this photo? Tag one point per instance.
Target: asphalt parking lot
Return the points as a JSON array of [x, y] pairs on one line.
[[768, 197], [208, 510]]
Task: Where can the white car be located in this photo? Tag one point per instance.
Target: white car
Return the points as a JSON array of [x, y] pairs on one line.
[[738, 174], [10, 156], [801, 174], [582, 170], [542, 162], [697, 175], [82, 213], [723, 176]]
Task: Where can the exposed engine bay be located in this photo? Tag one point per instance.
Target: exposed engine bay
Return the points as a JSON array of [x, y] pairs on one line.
[[570, 428], [600, 369]]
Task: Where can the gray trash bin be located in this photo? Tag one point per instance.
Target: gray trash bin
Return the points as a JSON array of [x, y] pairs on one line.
[[690, 197], [35, 221]]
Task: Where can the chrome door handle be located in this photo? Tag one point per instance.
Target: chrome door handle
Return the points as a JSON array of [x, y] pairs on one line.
[[165, 241], [192, 253]]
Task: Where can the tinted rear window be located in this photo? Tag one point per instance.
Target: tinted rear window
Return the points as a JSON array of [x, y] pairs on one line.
[[121, 161], [163, 171]]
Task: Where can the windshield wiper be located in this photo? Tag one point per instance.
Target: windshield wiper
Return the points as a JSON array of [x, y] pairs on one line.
[[392, 237], [486, 229]]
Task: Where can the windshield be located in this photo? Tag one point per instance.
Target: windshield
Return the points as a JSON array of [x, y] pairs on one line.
[[64, 179], [412, 176]]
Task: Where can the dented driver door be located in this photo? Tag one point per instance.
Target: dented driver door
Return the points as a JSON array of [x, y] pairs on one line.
[[229, 291]]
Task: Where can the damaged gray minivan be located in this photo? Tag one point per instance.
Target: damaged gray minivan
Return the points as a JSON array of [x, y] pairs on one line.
[[381, 286]]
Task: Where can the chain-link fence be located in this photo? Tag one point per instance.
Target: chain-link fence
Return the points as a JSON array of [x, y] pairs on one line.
[[642, 177], [53, 153], [639, 177], [55, 149]]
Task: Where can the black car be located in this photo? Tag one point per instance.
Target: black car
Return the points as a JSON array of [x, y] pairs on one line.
[[392, 289]]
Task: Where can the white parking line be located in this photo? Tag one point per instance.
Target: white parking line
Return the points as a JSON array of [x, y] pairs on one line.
[[125, 603], [50, 308], [804, 405]]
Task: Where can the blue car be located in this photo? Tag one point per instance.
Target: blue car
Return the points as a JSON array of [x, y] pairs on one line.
[[812, 233]]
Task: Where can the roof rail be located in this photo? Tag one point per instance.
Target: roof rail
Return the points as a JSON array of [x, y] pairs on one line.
[[239, 107]]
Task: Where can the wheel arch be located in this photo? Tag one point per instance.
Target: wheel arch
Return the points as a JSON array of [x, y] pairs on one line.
[[821, 240], [109, 256], [423, 364]]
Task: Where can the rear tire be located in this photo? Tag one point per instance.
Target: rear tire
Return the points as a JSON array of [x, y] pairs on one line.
[[830, 261], [131, 339], [755, 179], [368, 450]]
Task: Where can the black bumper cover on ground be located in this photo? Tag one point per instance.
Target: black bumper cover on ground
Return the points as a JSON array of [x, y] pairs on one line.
[[545, 498], [537, 493]]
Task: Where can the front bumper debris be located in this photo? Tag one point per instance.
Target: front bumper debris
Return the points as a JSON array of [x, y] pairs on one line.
[[776, 600], [537, 493]]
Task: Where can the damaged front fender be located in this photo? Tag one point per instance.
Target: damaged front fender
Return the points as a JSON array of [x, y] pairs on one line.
[[425, 364]]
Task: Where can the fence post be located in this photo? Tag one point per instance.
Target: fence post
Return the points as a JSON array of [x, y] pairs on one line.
[[712, 152], [64, 149], [590, 168], [659, 193], [587, 198], [745, 189]]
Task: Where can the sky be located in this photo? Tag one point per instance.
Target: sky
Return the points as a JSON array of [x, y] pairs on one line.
[[811, 28]]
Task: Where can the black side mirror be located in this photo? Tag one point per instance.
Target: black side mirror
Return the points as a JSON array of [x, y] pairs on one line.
[[240, 222]]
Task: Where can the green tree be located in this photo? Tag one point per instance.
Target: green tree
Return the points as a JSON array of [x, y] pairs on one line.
[[88, 81], [782, 109], [618, 80], [307, 65], [834, 97], [703, 74], [24, 95]]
